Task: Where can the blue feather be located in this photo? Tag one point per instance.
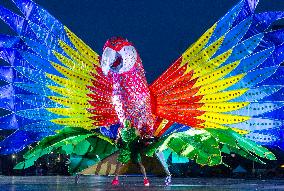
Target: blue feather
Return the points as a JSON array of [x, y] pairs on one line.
[[224, 24], [262, 21], [244, 49], [42, 18], [12, 121], [48, 38], [42, 126], [38, 101], [17, 141], [251, 62], [247, 11], [37, 76], [38, 114], [234, 36], [175, 128], [275, 79], [276, 114], [35, 88], [111, 131], [277, 96], [257, 108], [276, 58], [270, 137], [7, 73], [256, 124], [7, 41], [40, 63], [258, 93], [253, 78], [41, 49], [17, 23], [13, 57], [13, 20]]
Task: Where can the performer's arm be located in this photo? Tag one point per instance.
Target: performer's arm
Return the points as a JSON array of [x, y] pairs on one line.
[[118, 137]]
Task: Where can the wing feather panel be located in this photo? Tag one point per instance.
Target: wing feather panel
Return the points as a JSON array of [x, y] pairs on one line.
[[234, 84]]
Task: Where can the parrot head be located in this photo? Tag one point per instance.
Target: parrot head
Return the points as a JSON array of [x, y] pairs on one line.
[[119, 56]]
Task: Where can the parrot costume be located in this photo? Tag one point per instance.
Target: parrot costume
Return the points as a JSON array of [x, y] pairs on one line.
[[224, 94]]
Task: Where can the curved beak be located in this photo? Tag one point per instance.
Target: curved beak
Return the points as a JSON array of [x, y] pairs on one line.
[[106, 69], [113, 62], [107, 59], [105, 64]]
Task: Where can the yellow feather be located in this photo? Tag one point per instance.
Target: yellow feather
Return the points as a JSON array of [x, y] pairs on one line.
[[210, 125], [84, 49], [72, 75], [222, 96], [211, 65], [75, 122], [73, 65], [223, 107], [198, 45], [240, 131], [69, 84], [216, 75], [68, 92], [78, 58], [203, 56], [70, 102], [219, 85], [70, 112], [161, 126], [221, 118]]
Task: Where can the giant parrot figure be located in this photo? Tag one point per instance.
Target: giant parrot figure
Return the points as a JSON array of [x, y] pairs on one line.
[[223, 94]]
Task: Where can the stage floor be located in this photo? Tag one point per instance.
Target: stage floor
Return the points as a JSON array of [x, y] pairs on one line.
[[86, 183]]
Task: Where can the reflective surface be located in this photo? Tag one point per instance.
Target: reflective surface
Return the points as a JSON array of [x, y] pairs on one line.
[[86, 183]]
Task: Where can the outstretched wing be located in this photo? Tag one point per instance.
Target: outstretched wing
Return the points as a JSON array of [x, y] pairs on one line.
[[226, 83], [53, 82]]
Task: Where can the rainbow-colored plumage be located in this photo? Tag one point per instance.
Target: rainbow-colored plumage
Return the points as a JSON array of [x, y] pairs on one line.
[[224, 94]]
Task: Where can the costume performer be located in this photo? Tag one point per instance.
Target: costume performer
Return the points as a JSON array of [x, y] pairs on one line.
[[129, 150], [223, 94]]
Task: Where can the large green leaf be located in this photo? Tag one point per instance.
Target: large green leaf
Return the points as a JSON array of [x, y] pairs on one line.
[[223, 136], [245, 154], [68, 149], [234, 140], [206, 145], [89, 152], [151, 149], [82, 148], [252, 147], [65, 141], [194, 144]]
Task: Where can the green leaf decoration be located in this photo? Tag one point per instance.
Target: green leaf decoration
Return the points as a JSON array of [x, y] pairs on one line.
[[225, 149], [245, 155], [206, 145], [82, 148], [252, 147], [241, 142], [89, 152], [68, 149], [70, 140], [151, 149], [194, 144]]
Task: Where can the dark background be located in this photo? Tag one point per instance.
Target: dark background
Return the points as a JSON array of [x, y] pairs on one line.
[[161, 30]]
